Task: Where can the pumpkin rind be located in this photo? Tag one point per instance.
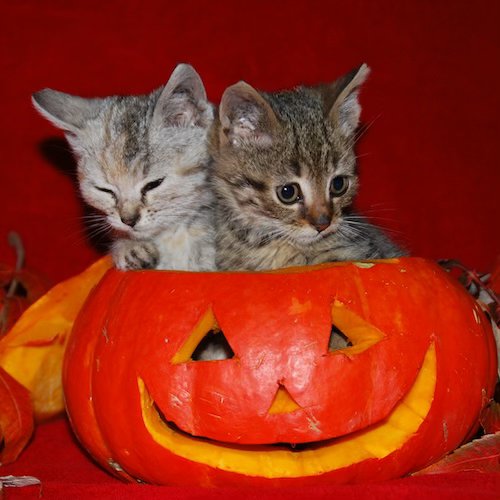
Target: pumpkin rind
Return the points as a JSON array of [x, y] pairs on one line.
[[135, 324], [32, 351]]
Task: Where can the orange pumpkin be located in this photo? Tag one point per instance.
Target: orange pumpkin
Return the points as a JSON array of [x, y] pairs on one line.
[[19, 287], [416, 367], [32, 351], [16, 418]]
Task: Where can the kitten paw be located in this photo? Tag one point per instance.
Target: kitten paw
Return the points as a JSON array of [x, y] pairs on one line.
[[131, 254]]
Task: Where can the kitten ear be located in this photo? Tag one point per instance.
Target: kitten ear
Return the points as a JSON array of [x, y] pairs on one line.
[[345, 110], [246, 117], [183, 101], [68, 112]]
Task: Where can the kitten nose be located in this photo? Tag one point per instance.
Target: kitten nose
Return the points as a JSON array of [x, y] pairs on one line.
[[130, 219], [321, 223]]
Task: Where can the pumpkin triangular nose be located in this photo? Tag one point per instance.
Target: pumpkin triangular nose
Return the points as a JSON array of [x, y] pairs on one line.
[[283, 402]]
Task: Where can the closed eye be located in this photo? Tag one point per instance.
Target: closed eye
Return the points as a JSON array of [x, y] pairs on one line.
[[106, 190], [151, 185]]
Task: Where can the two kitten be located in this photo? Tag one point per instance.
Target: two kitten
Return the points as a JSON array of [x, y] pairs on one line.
[[266, 184]]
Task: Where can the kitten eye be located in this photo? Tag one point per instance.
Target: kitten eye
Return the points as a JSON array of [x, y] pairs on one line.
[[151, 185], [339, 185], [106, 190], [289, 193]]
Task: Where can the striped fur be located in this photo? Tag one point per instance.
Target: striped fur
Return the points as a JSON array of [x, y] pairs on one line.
[[262, 142], [142, 164]]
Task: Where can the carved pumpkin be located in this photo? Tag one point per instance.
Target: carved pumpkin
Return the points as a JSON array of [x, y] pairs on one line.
[[414, 365]]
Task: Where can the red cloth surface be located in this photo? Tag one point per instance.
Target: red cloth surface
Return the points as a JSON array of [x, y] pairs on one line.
[[429, 161], [67, 473]]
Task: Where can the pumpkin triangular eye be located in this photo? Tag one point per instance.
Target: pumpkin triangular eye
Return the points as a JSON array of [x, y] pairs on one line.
[[350, 333], [338, 339], [205, 343], [213, 346]]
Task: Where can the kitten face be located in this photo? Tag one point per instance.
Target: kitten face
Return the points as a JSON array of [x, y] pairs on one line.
[[285, 164], [142, 184], [140, 158]]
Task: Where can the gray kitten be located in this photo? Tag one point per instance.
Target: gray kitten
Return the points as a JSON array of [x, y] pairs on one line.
[[284, 174], [142, 163]]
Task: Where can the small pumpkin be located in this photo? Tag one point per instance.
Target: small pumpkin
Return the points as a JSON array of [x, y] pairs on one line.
[[19, 287], [32, 351], [337, 373], [16, 418], [495, 277]]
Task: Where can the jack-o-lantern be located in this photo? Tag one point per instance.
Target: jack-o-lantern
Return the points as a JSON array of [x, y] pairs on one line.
[[334, 373]]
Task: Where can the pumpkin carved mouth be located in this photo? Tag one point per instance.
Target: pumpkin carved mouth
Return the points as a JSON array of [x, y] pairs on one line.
[[274, 461]]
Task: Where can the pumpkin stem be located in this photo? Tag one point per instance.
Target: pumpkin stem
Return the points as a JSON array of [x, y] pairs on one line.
[[14, 241]]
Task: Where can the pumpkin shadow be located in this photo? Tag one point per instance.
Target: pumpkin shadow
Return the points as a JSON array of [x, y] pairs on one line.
[[57, 152]]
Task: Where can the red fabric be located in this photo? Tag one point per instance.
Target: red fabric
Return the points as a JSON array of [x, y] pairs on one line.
[[68, 474], [429, 161]]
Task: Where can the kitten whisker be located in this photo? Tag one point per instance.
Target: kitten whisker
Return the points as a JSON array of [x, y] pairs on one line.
[[364, 129], [76, 238], [352, 234], [376, 218], [363, 155], [372, 225], [99, 231], [380, 206], [350, 228], [93, 217], [368, 213], [271, 235], [357, 136]]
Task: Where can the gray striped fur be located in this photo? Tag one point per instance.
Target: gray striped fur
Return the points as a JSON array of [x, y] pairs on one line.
[[125, 143]]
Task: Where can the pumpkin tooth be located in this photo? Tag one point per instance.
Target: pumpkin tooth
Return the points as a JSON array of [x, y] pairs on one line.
[[283, 402]]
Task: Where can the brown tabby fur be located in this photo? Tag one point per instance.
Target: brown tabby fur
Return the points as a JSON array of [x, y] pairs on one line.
[[306, 136]]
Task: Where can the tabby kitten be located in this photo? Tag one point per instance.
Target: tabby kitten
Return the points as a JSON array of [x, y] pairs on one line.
[[142, 164], [284, 174]]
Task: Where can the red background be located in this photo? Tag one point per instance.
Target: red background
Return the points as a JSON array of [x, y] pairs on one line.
[[429, 161]]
